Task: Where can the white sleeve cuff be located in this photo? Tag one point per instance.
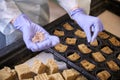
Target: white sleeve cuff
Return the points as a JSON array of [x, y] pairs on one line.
[[68, 5]]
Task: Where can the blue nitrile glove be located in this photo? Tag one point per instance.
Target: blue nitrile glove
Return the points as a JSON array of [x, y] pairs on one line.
[[87, 23], [29, 29]]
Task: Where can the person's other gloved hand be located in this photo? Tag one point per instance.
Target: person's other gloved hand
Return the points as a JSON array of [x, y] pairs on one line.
[[29, 29], [87, 23]]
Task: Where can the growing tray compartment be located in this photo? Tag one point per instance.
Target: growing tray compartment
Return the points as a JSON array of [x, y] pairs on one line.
[[91, 75]]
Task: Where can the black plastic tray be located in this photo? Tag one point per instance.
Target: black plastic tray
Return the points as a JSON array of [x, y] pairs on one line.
[[91, 75]]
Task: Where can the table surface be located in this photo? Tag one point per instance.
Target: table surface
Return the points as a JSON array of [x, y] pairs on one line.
[[111, 22]]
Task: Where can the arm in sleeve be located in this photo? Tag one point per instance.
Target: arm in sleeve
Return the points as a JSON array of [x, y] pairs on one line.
[[69, 5], [8, 11]]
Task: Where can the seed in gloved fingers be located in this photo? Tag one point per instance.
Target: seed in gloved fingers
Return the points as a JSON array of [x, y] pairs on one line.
[[38, 37]]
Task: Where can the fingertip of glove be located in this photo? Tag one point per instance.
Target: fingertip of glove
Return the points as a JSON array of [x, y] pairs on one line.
[[33, 47], [55, 40], [93, 39], [88, 40]]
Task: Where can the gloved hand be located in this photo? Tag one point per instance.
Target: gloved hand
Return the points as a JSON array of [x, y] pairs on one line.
[[29, 29], [87, 23]]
